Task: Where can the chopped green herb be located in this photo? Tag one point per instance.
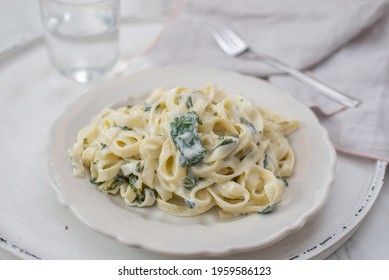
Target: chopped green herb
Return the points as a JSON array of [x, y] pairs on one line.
[[190, 204], [102, 146], [189, 103], [265, 161], [117, 181], [283, 181], [93, 181], [184, 132], [141, 194], [148, 107], [123, 127], [189, 182], [225, 141], [138, 167], [132, 178], [154, 192], [250, 125], [85, 141], [268, 209]]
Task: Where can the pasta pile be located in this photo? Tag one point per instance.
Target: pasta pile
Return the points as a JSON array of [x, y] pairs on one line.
[[188, 150]]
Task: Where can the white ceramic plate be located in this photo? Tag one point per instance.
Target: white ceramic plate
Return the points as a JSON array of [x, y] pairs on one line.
[[204, 235]]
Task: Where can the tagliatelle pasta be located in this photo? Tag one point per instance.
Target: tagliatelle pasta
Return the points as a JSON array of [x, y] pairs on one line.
[[188, 150]]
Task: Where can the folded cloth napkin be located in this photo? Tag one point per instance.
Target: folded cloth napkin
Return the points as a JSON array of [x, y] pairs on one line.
[[342, 43]]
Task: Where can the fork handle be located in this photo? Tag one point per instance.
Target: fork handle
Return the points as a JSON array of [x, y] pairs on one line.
[[326, 90]]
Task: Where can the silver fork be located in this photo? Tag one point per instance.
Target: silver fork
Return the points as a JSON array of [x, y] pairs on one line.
[[233, 45]]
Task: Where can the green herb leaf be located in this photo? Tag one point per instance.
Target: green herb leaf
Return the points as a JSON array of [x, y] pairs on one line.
[[123, 127], [283, 180], [265, 161], [190, 204], [132, 178], [189, 182], [154, 192], [268, 209], [226, 141], [148, 107], [184, 132], [138, 167], [93, 181], [141, 194], [117, 181], [102, 146], [250, 125], [189, 103]]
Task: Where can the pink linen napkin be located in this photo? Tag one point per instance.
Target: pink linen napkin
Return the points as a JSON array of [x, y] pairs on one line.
[[342, 43]]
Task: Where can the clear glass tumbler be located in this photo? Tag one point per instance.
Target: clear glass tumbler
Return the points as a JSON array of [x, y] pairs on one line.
[[81, 36]]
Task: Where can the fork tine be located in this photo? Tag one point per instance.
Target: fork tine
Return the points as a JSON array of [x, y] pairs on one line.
[[228, 40], [220, 38], [232, 36], [221, 41], [216, 35], [223, 35]]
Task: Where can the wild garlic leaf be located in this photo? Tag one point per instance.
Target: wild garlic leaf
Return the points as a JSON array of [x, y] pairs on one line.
[[190, 204], [148, 107], [140, 194], [283, 180], [265, 161], [123, 127], [268, 209], [117, 181], [189, 182], [93, 181], [189, 102], [184, 132], [154, 193], [249, 125], [132, 178], [226, 141], [139, 167]]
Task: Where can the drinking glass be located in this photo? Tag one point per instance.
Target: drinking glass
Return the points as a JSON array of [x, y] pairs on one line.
[[81, 36]]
